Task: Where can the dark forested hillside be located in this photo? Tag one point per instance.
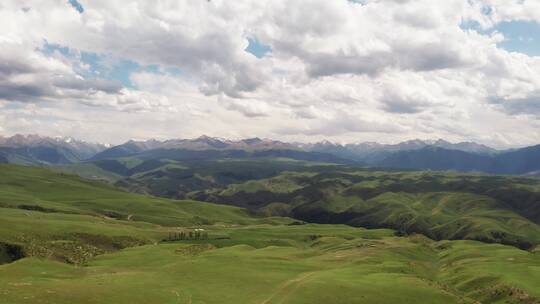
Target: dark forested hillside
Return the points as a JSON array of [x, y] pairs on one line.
[[441, 206]]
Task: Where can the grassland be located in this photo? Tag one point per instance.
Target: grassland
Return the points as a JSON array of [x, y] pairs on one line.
[[439, 205], [68, 240], [176, 178], [285, 264], [61, 216], [40, 189]]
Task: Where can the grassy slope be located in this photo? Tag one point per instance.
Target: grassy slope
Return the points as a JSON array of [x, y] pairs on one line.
[[175, 179], [292, 264], [30, 187], [247, 263], [90, 171], [442, 206], [61, 216]]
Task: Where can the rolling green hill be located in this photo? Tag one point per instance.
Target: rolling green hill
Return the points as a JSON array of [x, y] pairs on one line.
[[285, 264], [39, 189], [64, 240], [175, 179], [439, 205], [91, 214]]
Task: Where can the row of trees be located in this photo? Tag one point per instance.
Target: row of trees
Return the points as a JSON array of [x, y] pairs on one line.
[[191, 235]]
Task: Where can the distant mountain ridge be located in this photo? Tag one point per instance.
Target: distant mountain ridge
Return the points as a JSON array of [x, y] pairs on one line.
[[41, 150], [198, 144], [372, 152], [525, 161], [357, 151], [413, 154]]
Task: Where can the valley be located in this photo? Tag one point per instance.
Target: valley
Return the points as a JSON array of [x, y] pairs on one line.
[[270, 152], [70, 239], [144, 224]]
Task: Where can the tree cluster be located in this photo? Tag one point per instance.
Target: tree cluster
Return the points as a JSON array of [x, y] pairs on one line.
[[190, 235]]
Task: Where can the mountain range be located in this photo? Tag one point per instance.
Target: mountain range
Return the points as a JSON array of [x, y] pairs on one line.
[[35, 149], [413, 154], [360, 151], [199, 144]]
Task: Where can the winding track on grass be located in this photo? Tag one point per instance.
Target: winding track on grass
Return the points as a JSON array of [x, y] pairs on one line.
[[288, 287]]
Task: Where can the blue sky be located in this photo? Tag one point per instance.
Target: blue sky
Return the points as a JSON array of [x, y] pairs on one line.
[[257, 48], [102, 66], [121, 70], [520, 36], [76, 5]]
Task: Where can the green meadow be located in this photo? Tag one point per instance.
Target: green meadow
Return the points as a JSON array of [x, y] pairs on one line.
[[441, 205], [285, 264], [64, 239]]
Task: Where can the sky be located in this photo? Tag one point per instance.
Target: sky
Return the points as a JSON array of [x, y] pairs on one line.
[[303, 70]]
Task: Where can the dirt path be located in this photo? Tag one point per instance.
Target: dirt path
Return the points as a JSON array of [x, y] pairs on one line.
[[179, 299], [287, 288]]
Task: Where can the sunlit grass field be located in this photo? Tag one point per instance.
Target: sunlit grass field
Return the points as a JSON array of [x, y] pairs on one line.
[[285, 264], [67, 240]]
